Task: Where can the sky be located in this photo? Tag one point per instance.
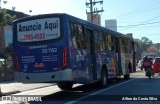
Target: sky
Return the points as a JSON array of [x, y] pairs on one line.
[[139, 17]]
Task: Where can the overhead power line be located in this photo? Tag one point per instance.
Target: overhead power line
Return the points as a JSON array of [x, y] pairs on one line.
[[148, 35], [144, 8], [142, 23]]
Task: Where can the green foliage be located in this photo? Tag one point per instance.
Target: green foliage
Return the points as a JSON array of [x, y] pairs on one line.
[[9, 49], [158, 48], [144, 43], [5, 18]]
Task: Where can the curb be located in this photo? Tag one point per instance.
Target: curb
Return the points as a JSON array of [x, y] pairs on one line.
[[14, 92], [9, 93]]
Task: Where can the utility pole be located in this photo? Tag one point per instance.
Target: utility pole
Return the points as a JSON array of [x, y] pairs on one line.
[[91, 5]]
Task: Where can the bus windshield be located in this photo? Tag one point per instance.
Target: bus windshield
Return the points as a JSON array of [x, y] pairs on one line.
[[38, 30]]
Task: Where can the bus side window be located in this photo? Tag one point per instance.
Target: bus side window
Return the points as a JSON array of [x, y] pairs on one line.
[[129, 46], [109, 42], [123, 45], [112, 44], [73, 32], [96, 37], [101, 41], [77, 33], [81, 35], [88, 40], [106, 41]]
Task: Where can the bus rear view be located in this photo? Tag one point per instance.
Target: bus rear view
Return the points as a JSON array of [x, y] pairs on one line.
[[40, 49]]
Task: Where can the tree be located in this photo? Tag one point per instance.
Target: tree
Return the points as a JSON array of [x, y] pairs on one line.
[[9, 49], [146, 43], [6, 18], [139, 45], [158, 48]]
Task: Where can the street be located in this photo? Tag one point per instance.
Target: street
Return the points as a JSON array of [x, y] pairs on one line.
[[79, 51], [137, 90]]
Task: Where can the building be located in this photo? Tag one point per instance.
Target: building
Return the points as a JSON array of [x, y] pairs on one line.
[[96, 18], [111, 24]]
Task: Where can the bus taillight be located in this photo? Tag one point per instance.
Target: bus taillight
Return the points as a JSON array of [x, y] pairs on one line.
[[65, 58], [16, 62]]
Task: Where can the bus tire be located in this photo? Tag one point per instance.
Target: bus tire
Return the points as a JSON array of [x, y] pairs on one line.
[[104, 78], [65, 85], [127, 76]]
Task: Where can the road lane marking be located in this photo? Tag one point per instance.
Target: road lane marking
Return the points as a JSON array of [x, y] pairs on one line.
[[71, 102]]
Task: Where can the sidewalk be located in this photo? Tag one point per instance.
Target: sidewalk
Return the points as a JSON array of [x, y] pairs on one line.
[[138, 73], [11, 87]]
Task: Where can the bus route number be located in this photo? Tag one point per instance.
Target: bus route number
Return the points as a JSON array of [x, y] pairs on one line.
[[49, 50]]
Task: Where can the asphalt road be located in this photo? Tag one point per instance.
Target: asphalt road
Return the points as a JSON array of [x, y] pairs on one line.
[[137, 90]]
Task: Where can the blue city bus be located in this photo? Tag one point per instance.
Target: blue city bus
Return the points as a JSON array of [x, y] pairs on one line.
[[63, 49]]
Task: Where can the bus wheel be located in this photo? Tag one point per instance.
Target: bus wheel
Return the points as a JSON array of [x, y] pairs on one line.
[[65, 85], [104, 78], [127, 76]]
